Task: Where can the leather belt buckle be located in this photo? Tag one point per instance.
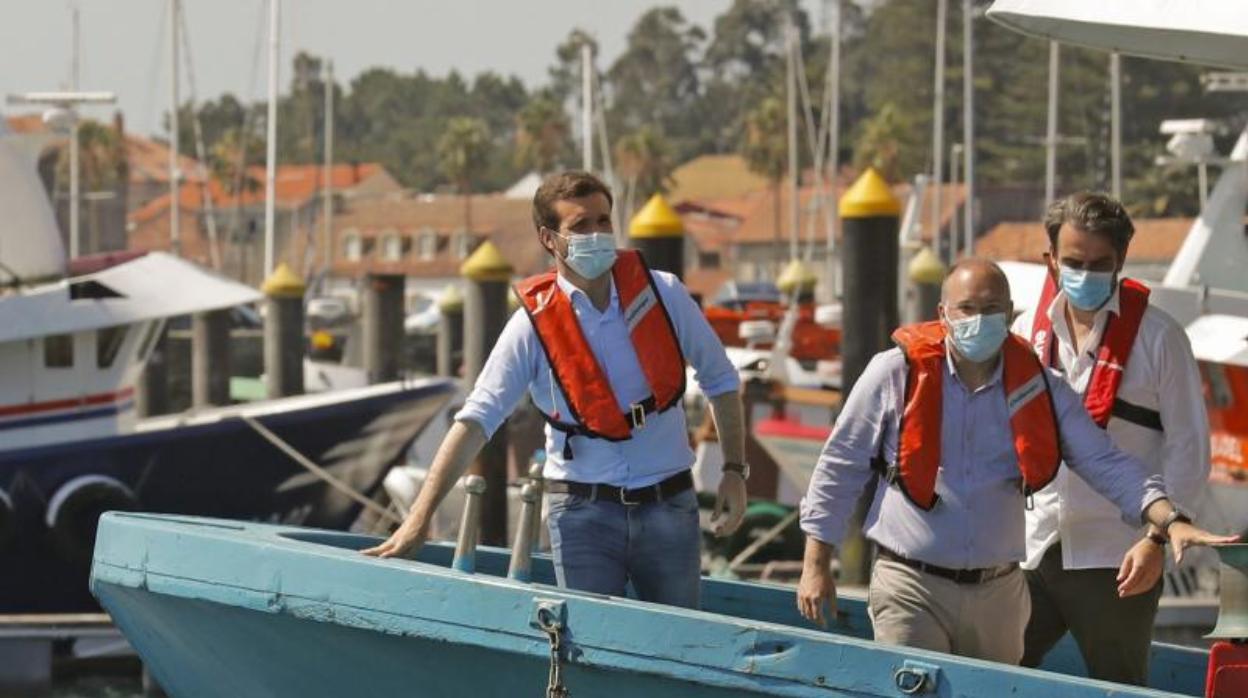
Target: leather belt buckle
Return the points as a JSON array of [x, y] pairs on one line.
[[625, 500], [638, 412]]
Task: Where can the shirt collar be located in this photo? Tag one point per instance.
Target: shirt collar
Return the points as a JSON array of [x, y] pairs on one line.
[[953, 370], [571, 291]]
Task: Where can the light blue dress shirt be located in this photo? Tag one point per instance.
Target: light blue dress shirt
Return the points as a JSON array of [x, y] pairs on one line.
[[979, 519], [657, 450]]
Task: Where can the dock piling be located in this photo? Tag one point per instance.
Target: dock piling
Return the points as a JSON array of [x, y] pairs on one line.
[[658, 233], [210, 358], [926, 273], [383, 326], [283, 333], [486, 312], [450, 331]]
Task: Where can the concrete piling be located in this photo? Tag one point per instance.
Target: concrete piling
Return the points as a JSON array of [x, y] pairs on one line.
[[283, 333], [659, 233], [210, 358], [926, 273], [487, 275], [450, 331], [870, 254], [382, 318]]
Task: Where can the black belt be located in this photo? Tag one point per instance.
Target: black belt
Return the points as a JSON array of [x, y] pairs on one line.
[[971, 576], [666, 489]]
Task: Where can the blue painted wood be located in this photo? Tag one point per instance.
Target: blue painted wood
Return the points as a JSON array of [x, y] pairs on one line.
[[227, 608]]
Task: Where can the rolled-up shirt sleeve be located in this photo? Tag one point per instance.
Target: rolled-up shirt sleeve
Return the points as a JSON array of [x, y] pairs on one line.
[[712, 370], [506, 376], [844, 466], [1115, 474]]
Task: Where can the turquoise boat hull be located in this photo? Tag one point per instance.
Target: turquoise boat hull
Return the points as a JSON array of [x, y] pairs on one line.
[[225, 608]]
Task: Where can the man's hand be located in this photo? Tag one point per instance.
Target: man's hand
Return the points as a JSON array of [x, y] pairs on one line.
[[817, 585], [1184, 535], [408, 537], [1141, 568], [729, 504]]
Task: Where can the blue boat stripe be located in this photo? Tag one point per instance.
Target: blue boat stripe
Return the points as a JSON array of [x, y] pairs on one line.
[[96, 412]]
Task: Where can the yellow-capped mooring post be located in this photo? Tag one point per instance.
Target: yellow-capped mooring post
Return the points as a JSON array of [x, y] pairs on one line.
[[382, 318], [487, 277], [283, 332], [659, 233], [926, 273], [870, 218], [450, 331], [799, 277]]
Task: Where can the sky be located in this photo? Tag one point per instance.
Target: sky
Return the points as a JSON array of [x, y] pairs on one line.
[[125, 43]]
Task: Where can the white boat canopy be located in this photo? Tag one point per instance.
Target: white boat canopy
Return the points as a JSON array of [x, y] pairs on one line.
[[30, 243], [1220, 339], [1209, 32], [156, 285]]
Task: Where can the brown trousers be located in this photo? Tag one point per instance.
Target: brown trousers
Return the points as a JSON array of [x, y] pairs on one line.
[[1113, 634]]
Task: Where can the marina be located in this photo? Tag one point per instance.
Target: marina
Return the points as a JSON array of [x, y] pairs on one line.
[[558, 380]]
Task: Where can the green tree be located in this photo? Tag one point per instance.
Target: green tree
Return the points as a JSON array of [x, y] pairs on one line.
[[882, 141], [766, 151], [643, 160], [463, 151], [542, 135]]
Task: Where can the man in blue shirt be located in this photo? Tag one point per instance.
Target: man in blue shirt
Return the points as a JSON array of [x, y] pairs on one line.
[[947, 576], [598, 347]]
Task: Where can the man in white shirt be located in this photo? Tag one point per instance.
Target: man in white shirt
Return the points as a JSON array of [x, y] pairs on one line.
[[1087, 571], [601, 345]]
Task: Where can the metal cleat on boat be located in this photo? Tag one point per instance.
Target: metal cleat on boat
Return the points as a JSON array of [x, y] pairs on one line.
[[466, 547], [522, 551]]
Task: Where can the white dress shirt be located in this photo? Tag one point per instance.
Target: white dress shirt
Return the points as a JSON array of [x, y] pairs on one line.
[[658, 449], [1161, 375], [978, 521]]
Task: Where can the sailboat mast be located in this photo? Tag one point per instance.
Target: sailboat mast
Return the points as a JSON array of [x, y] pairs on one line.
[[587, 108], [938, 126], [834, 144], [1115, 124], [74, 199], [1050, 137], [328, 203], [791, 87], [175, 237], [270, 159], [968, 126]]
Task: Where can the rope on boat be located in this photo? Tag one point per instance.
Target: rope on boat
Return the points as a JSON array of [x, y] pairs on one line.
[[770, 535], [318, 471]]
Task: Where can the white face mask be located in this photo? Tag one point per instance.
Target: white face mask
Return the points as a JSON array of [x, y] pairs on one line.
[[590, 255]]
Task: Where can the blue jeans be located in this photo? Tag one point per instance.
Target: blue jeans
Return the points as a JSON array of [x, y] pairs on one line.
[[600, 546]]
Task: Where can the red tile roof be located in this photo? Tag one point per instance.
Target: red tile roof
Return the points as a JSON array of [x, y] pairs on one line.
[[1156, 240]]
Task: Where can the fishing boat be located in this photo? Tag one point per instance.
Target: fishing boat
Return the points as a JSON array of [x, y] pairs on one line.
[[220, 607], [75, 336]]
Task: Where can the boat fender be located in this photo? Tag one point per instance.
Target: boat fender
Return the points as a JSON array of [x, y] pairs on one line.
[[75, 509], [7, 516]]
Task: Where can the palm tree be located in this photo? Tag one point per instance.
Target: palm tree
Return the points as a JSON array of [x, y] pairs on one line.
[[644, 161], [462, 152], [542, 135], [766, 153]]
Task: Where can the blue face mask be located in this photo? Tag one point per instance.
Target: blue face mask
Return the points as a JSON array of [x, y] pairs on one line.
[[1086, 290], [590, 255], [978, 337]]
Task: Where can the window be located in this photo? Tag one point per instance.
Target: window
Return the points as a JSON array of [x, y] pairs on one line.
[[58, 351], [108, 342], [428, 245], [351, 248], [368, 245], [391, 247], [153, 331], [708, 260], [464, 245]]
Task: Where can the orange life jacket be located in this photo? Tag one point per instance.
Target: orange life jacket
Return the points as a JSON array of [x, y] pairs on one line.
[[595, 409], [1101, 397], [1032, 418]]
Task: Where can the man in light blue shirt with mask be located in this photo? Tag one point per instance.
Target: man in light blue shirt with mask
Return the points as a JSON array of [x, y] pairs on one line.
[[984, 427], [601, 347]]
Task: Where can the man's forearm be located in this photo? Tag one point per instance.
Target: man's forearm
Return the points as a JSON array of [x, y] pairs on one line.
[[463, 442], [729, 418], [818, 554]]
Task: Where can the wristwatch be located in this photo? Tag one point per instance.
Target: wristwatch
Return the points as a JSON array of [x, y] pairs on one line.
[[1175, 515], [742, 469]]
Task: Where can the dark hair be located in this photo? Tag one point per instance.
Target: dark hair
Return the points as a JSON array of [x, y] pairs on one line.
[[1092, 213], [572, 184]]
